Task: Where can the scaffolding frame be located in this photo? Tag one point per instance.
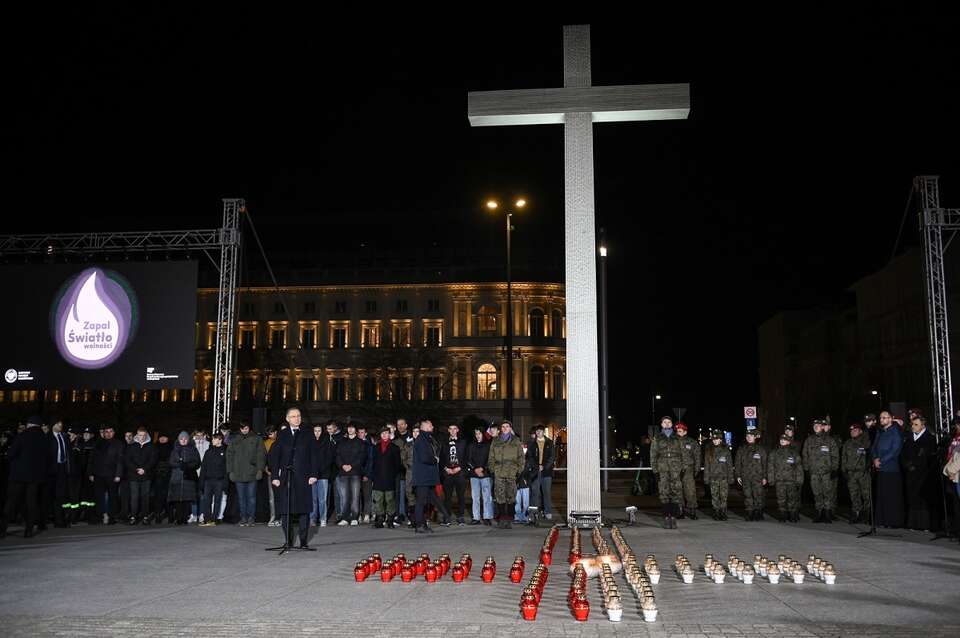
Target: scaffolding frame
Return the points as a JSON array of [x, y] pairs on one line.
[[934, 220], [225, 239]]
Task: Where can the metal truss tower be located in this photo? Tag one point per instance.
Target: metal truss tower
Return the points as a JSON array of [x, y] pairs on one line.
[[225, 239], [933, 221]]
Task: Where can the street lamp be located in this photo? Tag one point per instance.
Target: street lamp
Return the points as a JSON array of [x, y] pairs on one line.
[[604, 379], [492, 206], [653, 408]]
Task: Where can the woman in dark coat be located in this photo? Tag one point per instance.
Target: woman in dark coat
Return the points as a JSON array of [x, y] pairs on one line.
[[295, 448], [921, 477], [184, 462]]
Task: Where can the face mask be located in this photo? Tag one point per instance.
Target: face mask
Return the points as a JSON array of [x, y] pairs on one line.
[[668, 432]]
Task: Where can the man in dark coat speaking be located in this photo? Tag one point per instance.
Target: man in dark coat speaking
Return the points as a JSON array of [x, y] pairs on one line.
[[296, 450]]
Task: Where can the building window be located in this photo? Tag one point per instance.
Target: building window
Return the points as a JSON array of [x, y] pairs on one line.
[[370, 334], [307, 389], [487, 321], [558, 383], [433, 305], [537, 387], [340, 307], [371, 307], [278, 337], [211, 334], [432, 389], [339, 334], [278, 308], [308, 335], [536, 323], [557, 327], [247, 338], [401, 388], [401, 334], [432, 334], [401, 305], [310, 308], [370, 389], [338, 389], [486, 382], [278, 388]]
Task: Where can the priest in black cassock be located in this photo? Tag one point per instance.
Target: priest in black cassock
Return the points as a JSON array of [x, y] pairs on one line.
[[921, 477], [294, 455]]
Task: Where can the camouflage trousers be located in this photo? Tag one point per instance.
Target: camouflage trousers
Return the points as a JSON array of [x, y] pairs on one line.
[[718, 494], [668, 484], [788, 496], [408, 485], [824, 491], [689, 488], [504, 490], [858, 484], [753, 494]]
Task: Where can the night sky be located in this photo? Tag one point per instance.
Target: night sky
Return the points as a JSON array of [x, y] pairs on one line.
[[787, 183]]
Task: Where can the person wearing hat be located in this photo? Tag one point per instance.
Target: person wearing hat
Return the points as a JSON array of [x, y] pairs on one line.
[[506, 461], [821, 458], [791, 430], [785, 473], [29, 457], [751, 466], [182, 491], [690, 451], [666, 461], [855, 463], [718, 472], [386, 468]]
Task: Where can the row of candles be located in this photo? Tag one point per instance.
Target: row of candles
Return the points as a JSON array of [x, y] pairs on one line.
[[767, 568], [546, 551], [422, 566], [640, 581], [533, 592]]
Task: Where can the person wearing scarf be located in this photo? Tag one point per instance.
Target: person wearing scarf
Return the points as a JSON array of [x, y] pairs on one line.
[[506, 463]]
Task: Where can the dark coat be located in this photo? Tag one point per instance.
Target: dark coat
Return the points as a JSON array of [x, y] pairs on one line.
[[921, 478], [214, 465], [246, 458], [352, 452], [477, 456], [29, 456], [55, 451], [162, 469], [326, 449], [549, 457], [386, 468], [140, 456], [184, 462], [300, 452], [106, 462], [453, 453], [426, 453]]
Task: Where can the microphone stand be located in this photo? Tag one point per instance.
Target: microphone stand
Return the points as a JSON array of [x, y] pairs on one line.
[[288, 523], [873, 517]]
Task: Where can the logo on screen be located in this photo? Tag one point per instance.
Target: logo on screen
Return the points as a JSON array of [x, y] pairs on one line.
[[94, 318], [10, 375]]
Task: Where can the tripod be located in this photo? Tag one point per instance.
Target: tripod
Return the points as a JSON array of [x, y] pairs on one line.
[[287, 522]]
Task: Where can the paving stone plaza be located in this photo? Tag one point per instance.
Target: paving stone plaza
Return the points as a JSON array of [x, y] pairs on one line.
[[220, 581]]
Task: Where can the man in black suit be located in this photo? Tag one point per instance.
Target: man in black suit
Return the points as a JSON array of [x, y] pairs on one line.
[[60, 460], [28, 457], [295, 449]]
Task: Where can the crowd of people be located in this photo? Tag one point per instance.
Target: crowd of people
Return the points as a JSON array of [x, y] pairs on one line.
[[343, 474], [894, 477]]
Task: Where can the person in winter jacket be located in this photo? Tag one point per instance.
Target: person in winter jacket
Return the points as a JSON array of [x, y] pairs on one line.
[[351, 457], [821, 458], [666, 462], [28, 456], [785, 473], [541, 456], [453, 456], [213, 479], [425, 475], [506, 463], [524, 482], [140, 459], [481, 484], [383, 479], [184, 463], [751, 463], [855, 463], [246, 459], [161, 479], [718, 472], [105, 471], [366, 486]]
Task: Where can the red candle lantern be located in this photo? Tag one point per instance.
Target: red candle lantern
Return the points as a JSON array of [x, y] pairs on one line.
[[377, 561], [407, 573], [430, 573], [360, 572], [581, 608], [528, 609], [386, 574], [487, 573], [546, 556], [516, 573], [397, 566], [421, 567], [458, 573]]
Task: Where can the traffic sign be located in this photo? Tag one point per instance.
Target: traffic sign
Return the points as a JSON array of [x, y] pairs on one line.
[[750, 412]]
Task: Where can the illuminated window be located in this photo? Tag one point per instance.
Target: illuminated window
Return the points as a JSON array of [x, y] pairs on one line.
[[340, 334], [401, 333], [432, 390], [370, 389], [433, 333], [486, 382], [557, 327], [536, 323], [537, 387], [338, 389], [277, 338], [401, 388], [211, 334], [308, 334], [278, 389], [487, 321], [558, 383], [308, 389], [247, 335], [370, 334]]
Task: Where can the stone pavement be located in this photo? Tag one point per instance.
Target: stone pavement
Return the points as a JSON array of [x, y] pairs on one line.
[[217, 581]]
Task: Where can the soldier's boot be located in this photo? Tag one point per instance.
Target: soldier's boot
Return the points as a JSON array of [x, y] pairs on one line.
[[715, 514], [782, 516], [666, 509], [867, 516], [856, 517], [723, 514], [680, 512], [760, 514], [819, 517], [378, 522], [692, 514], [829, 517], [675, 511]]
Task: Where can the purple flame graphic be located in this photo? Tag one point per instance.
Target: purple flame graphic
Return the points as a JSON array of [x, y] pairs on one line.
[[92, 331]]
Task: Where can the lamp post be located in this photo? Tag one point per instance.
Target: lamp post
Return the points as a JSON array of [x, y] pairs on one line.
[[604, 379], [653, 409], [493, 205]]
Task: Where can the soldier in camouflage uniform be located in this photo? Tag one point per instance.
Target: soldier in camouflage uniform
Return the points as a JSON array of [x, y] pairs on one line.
[[506, 461], [406, 457], [821, 457], [690, 450], [666, 461], [785, 472], [856, 463], [752, 475], [718, 473], [835, 476]]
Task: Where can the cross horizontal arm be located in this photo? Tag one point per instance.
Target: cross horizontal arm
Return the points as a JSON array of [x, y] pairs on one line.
[[945, 218], [606, 103]]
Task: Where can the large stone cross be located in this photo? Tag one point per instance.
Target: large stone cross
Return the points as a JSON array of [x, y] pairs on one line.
[[577, 106]]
